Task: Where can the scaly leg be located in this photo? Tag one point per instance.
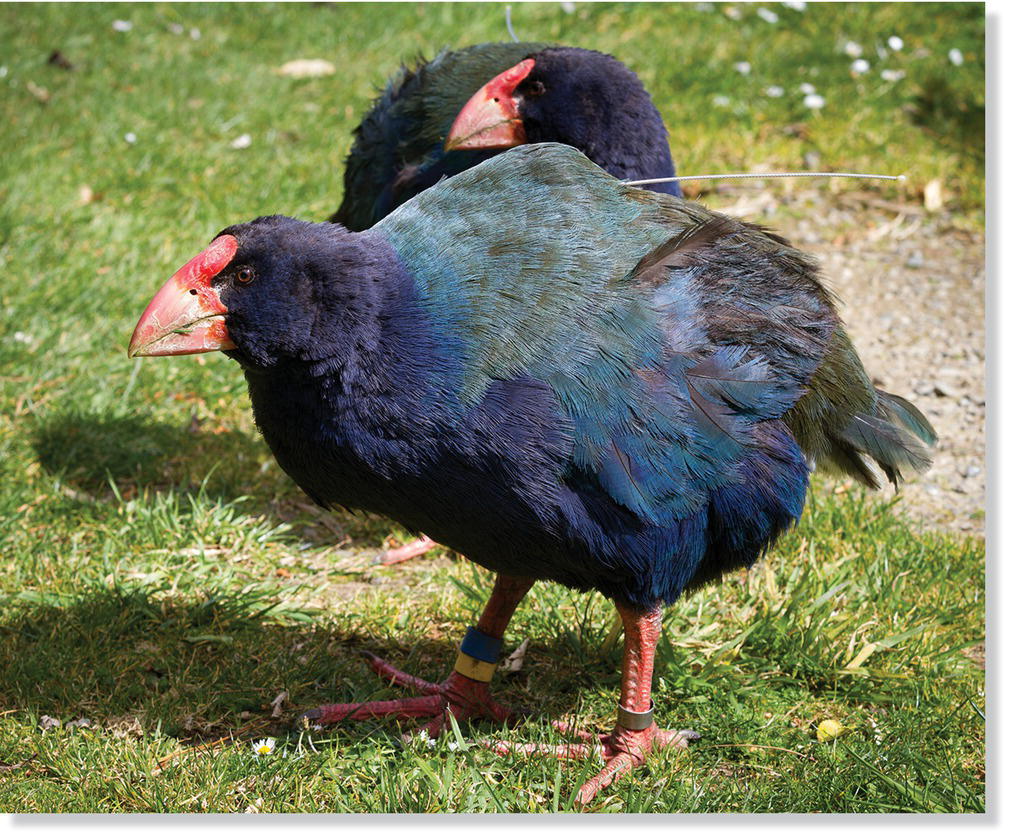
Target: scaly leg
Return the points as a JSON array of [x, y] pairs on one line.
[[465, 693], [635, 734]]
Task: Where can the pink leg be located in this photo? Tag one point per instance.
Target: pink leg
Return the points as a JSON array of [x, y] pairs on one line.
[[457, 696], [623, 749], [406, 551]]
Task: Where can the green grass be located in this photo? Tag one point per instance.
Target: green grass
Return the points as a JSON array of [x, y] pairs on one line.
[[161, 577]]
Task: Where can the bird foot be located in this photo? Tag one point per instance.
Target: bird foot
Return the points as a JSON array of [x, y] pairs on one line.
[[622, 750], [458, 697], [406, 551]]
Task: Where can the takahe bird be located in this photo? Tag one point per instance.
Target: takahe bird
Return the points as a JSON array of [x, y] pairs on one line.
[[463, 107], [558, 375]]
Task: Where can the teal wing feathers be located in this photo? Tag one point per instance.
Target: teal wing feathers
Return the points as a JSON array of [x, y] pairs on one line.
[[614, 304]]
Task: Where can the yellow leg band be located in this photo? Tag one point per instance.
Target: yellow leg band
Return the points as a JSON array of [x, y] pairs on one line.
[[473, 668]]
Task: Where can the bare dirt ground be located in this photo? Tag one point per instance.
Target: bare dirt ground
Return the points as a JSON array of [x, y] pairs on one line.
[[912, 288]]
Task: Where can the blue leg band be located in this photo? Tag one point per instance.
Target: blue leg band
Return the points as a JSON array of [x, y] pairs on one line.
[[481, 646]]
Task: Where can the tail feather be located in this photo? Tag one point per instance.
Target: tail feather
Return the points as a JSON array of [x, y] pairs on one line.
[[895, 435], [901, 410]]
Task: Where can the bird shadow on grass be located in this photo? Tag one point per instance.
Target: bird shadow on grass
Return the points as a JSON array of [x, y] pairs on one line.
[[203, 667], [98, 456], [89, 451]]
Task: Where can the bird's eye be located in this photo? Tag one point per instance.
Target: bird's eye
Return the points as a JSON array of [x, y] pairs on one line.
[[245, 275], [535, 88]]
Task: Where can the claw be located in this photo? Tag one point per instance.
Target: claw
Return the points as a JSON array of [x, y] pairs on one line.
[[307, 719]]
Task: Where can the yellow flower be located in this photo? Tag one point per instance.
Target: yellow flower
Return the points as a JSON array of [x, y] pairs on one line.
[[828, 730]]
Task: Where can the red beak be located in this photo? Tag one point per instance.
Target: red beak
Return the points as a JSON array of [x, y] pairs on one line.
[[490, 118], [186, 315]]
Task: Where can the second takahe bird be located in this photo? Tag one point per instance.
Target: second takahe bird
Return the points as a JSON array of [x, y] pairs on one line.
[[465, 106], [561, 377]]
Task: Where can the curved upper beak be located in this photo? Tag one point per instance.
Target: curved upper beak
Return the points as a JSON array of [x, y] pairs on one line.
[[187, 316], [490, 118]]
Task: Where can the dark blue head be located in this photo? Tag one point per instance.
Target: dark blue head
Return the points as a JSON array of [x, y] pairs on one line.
[[579, 97], [270, 292]]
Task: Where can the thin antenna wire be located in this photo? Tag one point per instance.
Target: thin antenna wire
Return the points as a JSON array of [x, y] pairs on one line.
[[761, 175], [510, 27]]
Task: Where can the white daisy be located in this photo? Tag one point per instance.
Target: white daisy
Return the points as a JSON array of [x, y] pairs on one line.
[[263, 747]]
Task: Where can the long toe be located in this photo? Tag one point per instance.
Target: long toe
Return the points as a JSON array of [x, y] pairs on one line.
[[575, 751], [458, 696], [626, 749], [402, 709], [393, 675], [406, 551], [621, 749]]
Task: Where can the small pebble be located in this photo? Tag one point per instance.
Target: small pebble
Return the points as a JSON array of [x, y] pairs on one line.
[[956, 57], [122, 25]]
